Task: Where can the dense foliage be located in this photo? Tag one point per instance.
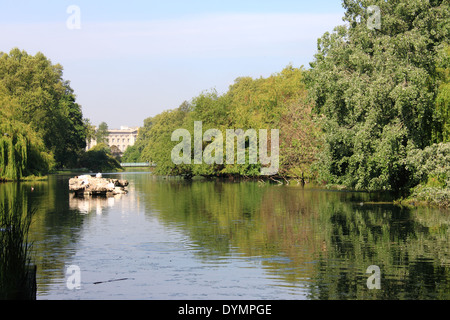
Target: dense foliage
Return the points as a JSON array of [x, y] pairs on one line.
[[430, 169], [101, 135], [99, 159], [22, 153], [277, 102], [377, 89], [133, 153], [33, 93], [442, 112]]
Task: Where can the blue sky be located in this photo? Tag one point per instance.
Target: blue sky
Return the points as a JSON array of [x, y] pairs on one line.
[[133, 59]]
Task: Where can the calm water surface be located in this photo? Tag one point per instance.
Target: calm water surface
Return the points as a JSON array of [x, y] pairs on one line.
[[177, 239]]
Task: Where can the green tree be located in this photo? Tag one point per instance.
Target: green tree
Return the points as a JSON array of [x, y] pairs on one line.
[[276, 102], [43, 100], [442, 112], [131, 154], [102, 133], [134, 153], [376, 90], [99, 159], [70, 141], [22, 151], [90, 129], [158, 147]]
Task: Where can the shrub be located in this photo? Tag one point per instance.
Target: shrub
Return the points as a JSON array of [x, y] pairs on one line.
[[99, 159]]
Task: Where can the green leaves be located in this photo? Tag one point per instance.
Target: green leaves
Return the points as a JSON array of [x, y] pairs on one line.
[[376, 89], [276, 102], [430, 169], [22, 151], [442, 102], [34, 93], [99, 159], [102, 133]]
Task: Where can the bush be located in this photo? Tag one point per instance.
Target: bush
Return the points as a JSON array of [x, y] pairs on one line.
[[430, 169], [430, 166], [431, 195], [99, 159], [131, 154]]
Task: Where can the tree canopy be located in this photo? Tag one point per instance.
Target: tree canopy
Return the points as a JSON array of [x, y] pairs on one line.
[[99, 159], [33, 92], [276, 102], [377, 90], [101, 135], [22, 152]]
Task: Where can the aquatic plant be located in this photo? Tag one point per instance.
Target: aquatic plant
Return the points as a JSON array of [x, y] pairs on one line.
[[16, 274]]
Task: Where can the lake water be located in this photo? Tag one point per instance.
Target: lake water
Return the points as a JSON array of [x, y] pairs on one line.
[[170, 238]]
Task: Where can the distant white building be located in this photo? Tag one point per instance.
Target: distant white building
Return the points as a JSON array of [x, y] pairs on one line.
[[120, 138]]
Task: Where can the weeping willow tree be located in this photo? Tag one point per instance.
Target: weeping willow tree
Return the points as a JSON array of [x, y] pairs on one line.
[[33, 91], [22, 152]]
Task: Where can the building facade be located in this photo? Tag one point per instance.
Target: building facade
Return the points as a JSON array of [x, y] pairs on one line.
[[119, 139]]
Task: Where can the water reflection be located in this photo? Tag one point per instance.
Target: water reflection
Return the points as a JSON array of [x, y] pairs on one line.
[[87, 204], [275, 241], [322, 240]]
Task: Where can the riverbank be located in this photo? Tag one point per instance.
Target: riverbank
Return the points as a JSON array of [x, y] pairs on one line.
[[427, 196], [55, 172], [25, 179], [419, 196]]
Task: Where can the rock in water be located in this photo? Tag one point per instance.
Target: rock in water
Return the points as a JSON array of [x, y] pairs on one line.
[[88, 185]]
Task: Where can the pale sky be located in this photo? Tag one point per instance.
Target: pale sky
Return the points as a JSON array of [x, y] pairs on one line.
[[133, 59]]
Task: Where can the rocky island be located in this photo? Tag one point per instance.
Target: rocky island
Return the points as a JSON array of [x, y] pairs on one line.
[[96, 185]]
